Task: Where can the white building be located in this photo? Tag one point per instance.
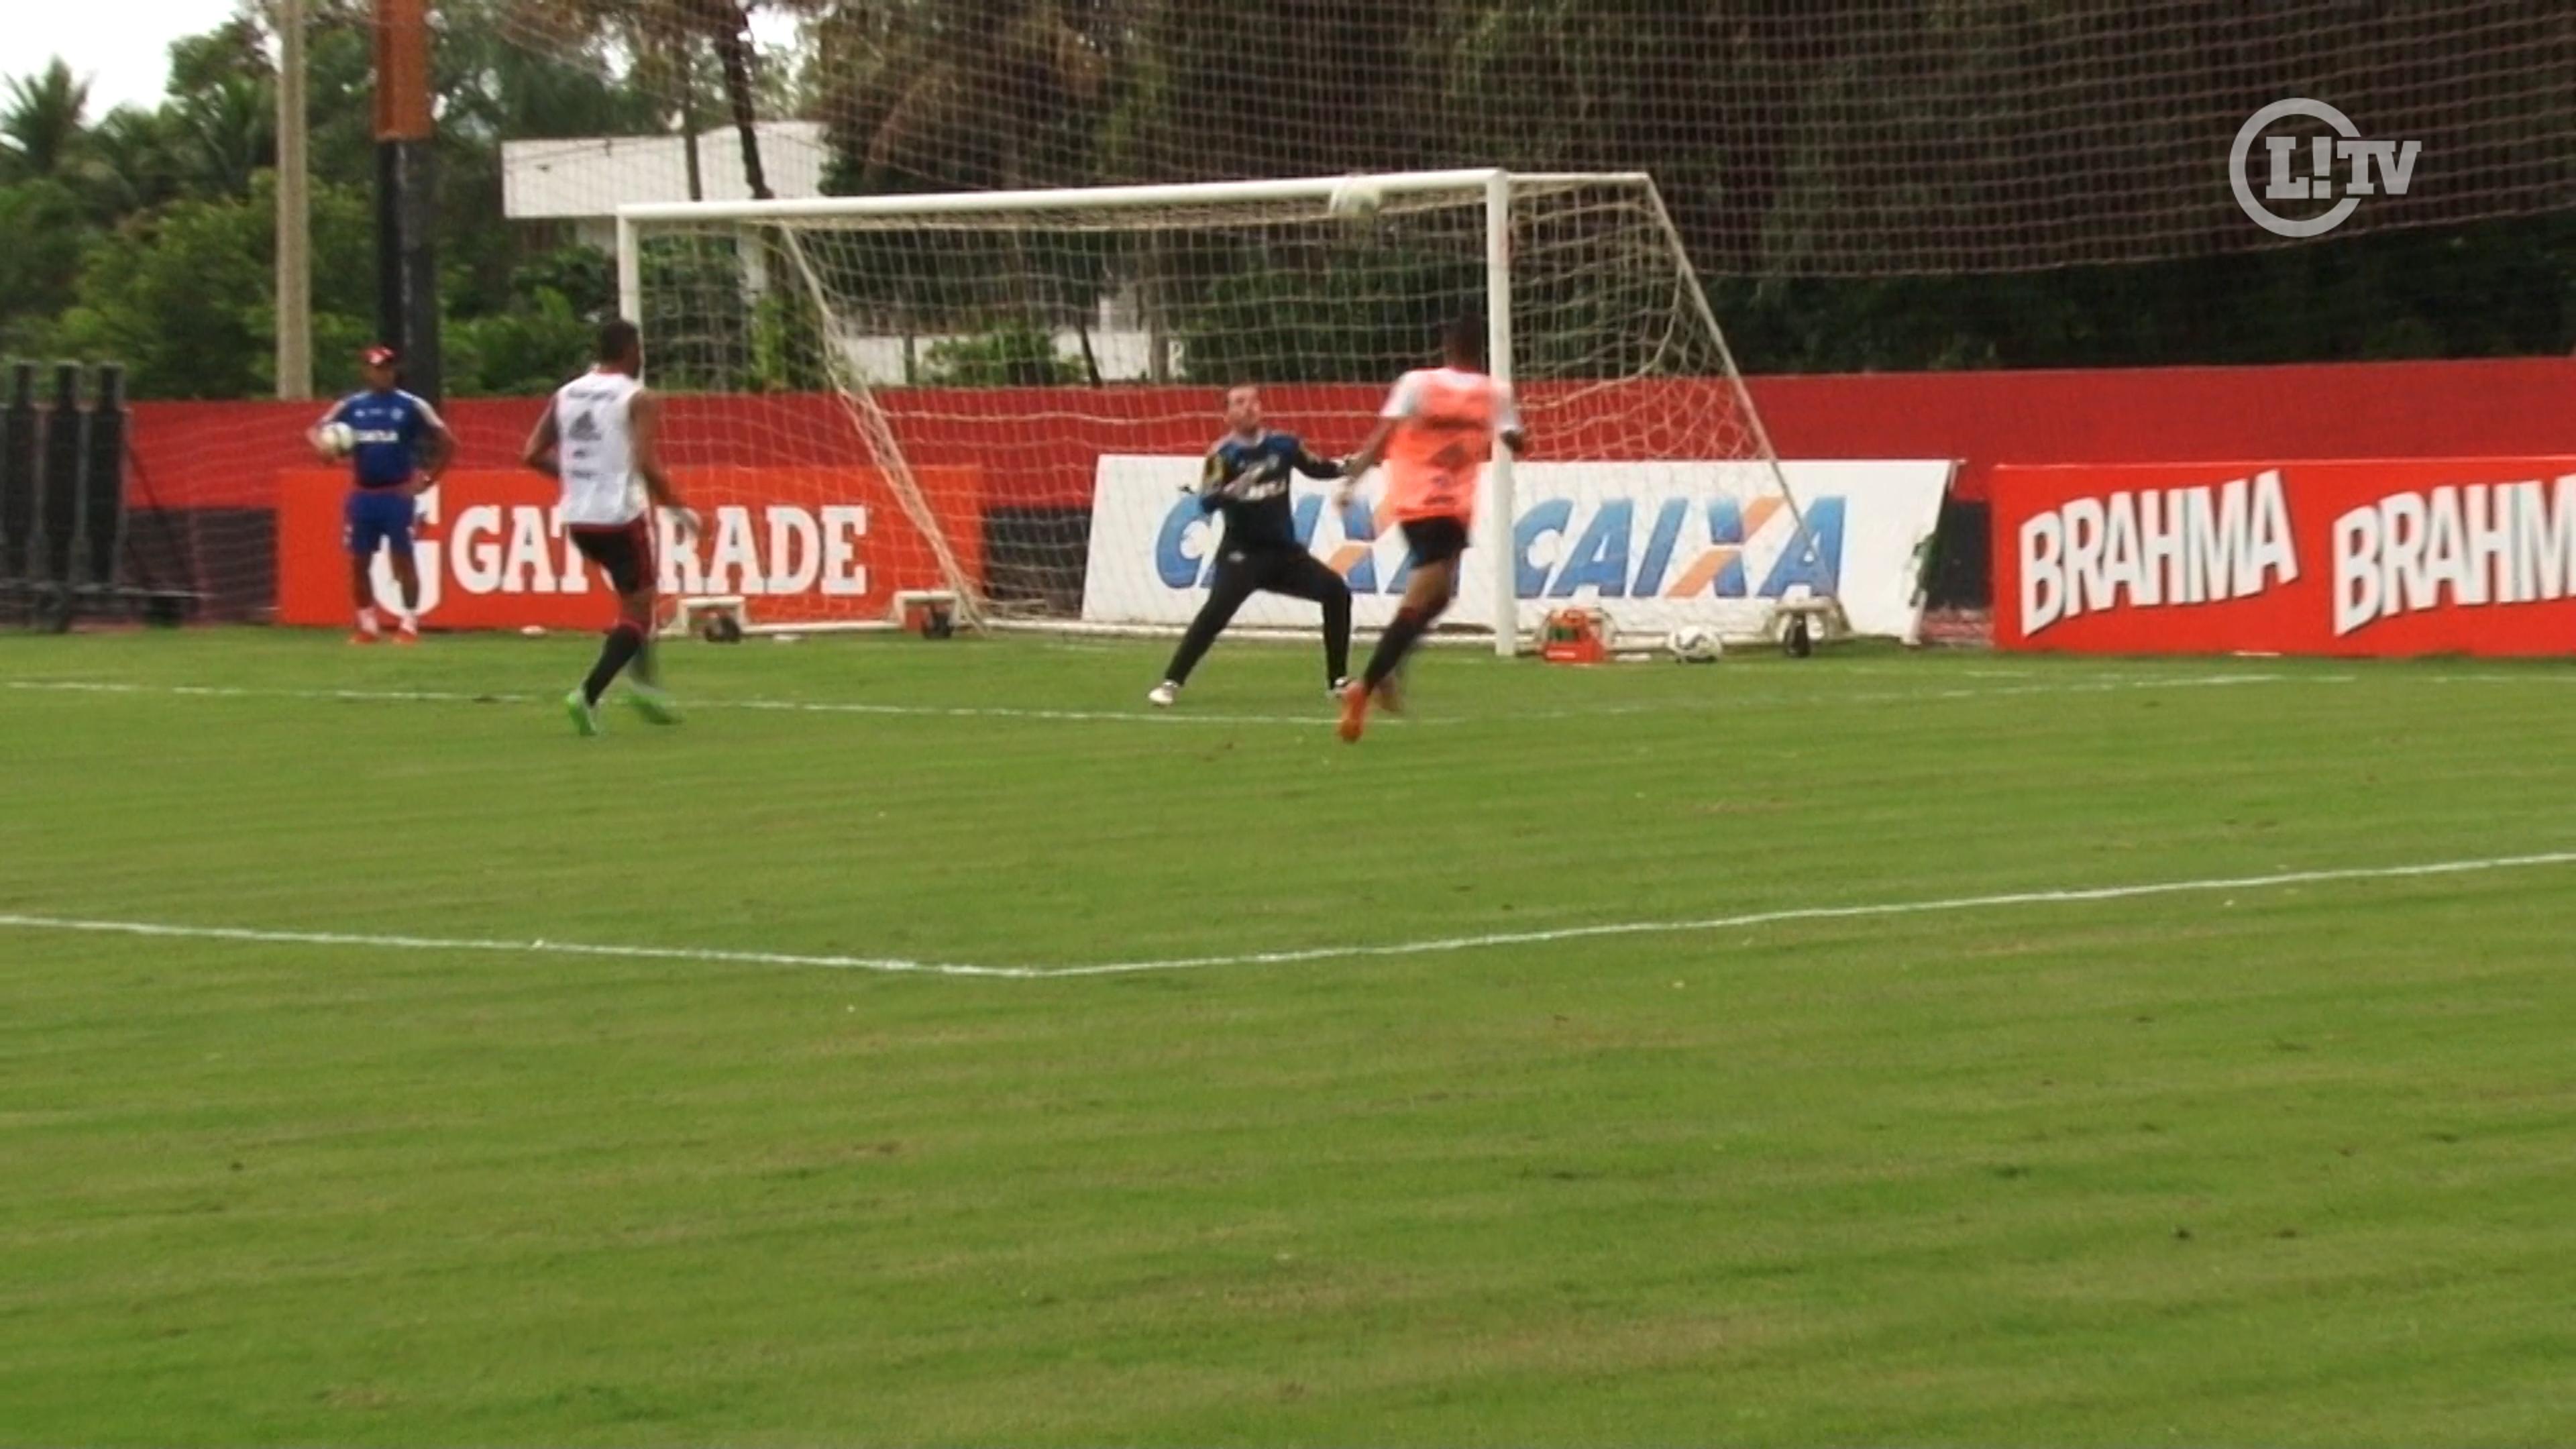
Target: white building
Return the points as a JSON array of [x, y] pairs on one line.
[[583, 180], [579, 183]]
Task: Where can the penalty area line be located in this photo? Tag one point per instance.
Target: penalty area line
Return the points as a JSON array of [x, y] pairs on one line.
[[1439, 945]]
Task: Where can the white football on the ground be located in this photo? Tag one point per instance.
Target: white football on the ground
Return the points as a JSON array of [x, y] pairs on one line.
[[1694, 644]]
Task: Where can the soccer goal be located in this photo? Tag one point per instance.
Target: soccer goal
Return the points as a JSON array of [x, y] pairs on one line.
[[1011, 392]]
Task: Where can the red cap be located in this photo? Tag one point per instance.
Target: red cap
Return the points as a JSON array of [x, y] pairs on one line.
[[379, 356]]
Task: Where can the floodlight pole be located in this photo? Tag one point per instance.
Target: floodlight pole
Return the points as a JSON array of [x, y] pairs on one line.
[[407, 194], [294, 211]]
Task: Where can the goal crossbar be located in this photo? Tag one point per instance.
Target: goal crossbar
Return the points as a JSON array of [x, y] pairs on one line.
[[1109, 198]]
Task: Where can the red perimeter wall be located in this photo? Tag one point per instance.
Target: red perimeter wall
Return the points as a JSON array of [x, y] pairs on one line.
[[230, 455]]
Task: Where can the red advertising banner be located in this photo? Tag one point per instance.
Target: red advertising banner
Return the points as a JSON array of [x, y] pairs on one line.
[[1034, 453], [2346, 558], [803, 545]]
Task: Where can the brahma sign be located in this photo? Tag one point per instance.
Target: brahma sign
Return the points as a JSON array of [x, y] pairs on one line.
[[2399, 557], [811, 545]]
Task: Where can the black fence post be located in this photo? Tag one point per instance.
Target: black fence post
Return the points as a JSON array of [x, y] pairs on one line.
[[21, 428], [58, 496], [63, 534], [103, 481], [71, 577], [58, 502]]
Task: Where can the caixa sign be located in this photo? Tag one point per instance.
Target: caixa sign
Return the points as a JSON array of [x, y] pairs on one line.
[[1564, 548], [2345, 557], [1657, 544]]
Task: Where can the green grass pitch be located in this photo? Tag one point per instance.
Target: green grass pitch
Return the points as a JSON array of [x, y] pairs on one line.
[[2281, 1163]]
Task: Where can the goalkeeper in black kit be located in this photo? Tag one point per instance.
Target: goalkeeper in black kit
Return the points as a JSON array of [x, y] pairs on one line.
[[1247, 481]]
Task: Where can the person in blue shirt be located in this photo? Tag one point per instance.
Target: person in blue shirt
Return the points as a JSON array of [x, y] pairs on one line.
[[1246, 480], [397, 446]]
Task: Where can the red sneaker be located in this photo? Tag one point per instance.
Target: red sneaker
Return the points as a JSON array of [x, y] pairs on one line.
[[1355, 703], [363, 636], [407, 634]]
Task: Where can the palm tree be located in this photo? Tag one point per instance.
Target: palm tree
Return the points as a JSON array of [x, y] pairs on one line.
[[656, 27], [230, 129], [969, 93], [131, 162], [728, 27], [41, 130]]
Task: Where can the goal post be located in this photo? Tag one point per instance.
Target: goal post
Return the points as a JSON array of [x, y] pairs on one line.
[[1016, 387], [1498, 359]]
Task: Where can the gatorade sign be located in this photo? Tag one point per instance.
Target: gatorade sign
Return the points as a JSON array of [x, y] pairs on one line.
[[813, 544]]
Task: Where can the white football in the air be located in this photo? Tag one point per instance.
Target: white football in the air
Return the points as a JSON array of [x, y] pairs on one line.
[[1694, 644], [1357, 199], [339, 439]]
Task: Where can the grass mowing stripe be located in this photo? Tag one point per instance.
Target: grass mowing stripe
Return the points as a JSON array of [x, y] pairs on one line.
[[897, 966], [792, 706], [2253, 1166], [1049, 715]]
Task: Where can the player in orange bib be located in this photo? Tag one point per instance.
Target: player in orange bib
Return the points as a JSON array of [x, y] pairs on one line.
[[1435, 435]]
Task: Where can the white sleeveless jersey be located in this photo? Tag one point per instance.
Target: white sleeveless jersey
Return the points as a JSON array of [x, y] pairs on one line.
[[595, 450]]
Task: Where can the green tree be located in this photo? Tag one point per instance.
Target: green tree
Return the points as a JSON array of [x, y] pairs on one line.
[[186, 297], [558, 299], [963, 94], [41, 126], [1010, 354], [43, 226], [135, 163], [227, 132]]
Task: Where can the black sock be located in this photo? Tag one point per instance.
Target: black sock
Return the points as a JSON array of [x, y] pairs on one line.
[[1337, 637], [647, 665], [624, 642], [1392, 645]]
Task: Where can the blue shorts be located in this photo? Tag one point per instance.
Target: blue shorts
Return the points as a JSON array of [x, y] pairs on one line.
[[379, 516]]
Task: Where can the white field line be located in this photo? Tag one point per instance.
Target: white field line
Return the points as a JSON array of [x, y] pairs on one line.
[[538, 947], [1718, 698], [1726, 701], [1437, 945], [792, 706]]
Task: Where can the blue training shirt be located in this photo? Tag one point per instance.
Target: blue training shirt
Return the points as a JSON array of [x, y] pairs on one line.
[[391, 428]]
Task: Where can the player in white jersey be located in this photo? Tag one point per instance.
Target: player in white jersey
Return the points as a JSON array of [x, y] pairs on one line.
[[601, 438]]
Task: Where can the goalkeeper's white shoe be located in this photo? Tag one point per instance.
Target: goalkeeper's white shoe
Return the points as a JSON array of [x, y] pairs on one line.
[[1163, 695]]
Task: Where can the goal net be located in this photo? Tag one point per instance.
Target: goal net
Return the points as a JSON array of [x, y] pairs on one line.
[[1014, 391]]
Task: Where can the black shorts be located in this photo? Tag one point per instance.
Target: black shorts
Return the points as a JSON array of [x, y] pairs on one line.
[[1276, 568], [623, 551], [1435, 540]]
